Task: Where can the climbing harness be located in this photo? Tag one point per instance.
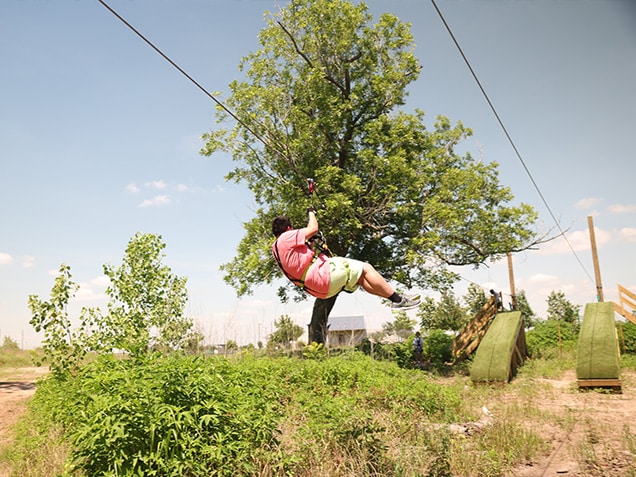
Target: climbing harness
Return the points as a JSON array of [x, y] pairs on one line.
[[300, 282]]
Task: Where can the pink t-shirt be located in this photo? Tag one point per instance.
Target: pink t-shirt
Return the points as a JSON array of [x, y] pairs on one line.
[[295, 256]]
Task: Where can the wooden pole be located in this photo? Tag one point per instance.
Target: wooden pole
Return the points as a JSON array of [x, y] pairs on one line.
[[597, 270], [511, 278]]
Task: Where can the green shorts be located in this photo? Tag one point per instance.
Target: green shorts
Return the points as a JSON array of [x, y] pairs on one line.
[[344, 275]]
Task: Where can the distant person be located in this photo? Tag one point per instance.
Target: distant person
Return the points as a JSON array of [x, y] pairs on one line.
[[417, 349], [498, 301], [323, 276]]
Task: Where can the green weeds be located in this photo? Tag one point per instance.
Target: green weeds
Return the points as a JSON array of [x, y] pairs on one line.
[[194, 416], [325, 416], [16, 358]]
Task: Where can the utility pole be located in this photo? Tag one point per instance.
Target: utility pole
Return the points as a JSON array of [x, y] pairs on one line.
[[597, 270], [511, 278]]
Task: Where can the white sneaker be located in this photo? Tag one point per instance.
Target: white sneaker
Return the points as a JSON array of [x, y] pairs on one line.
[[407, 303]]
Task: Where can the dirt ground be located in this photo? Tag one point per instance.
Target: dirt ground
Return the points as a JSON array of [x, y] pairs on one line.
[[596, 436], [597, 432], [16, 387]]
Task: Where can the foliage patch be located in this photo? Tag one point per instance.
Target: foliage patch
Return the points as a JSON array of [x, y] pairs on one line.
[[193, 416]]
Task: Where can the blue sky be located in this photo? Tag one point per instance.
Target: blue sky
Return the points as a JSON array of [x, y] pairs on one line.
[[99, 139]]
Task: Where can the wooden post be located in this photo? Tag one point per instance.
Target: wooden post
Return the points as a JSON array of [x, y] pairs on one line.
[[597, 271], [511, 278], [620, 327]]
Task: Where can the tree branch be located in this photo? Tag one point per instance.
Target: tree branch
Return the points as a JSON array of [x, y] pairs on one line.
[[298, 50]]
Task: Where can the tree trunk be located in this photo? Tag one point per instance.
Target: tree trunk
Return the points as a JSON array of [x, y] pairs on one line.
[[319, 317]]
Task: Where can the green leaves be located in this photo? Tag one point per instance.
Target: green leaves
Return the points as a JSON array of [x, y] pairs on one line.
[[179, 415], [320, 99], [146, 300], [163, 416], [145, 311], [64, 347]]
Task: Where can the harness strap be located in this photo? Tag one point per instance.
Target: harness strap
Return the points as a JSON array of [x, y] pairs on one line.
[[298, 282]]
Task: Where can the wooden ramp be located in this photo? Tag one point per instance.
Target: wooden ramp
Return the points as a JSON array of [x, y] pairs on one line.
[[501, 351], [598, 358], [626, 306], [468, 339]]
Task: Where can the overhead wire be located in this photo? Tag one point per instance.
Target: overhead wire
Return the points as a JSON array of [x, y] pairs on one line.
[[505, 130], [266, 143], [269, 146]]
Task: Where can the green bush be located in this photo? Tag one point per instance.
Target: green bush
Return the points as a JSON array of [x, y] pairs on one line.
[[438, 347], [627, 338], [162, 416], [548, 335], [216, 416], [400, 353]]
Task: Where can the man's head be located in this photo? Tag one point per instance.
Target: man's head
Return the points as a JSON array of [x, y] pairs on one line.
[[280, 225]]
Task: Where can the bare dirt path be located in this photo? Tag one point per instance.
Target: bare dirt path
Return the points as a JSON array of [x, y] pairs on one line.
[[17, 385], [595, 434]]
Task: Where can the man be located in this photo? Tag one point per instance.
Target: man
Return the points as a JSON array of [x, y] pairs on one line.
[[418, 348], [323, 276]]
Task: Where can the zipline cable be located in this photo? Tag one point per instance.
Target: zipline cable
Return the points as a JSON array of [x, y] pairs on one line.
[[512, 143], [267, 145], [196, 83]]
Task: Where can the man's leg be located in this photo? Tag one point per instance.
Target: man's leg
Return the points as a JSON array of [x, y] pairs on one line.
[[374, 283]]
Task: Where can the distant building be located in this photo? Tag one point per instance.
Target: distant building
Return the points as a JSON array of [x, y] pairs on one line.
[[346, 330]]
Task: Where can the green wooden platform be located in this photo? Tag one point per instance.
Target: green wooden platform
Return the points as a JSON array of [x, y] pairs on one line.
[[501, 350], [598, 358]]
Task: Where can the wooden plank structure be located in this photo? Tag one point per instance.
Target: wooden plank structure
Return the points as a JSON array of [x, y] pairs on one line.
[[598, 358], [501, 351], [626, 306], [468, 339]]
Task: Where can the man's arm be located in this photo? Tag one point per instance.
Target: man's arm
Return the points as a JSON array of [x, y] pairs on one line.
[[312, 225]]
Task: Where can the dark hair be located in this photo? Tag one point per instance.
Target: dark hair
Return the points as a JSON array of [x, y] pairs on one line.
[[280, 224]]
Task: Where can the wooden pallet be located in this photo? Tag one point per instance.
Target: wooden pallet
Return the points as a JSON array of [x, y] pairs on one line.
[[613, 384]]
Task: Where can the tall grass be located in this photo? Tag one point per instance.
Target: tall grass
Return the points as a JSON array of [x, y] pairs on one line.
[[345, 415], [17, 358]]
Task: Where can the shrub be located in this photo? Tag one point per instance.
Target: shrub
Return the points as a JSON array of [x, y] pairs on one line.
[[244, 416], [627, 337], [438, 347], [162, 416], [549, 335]]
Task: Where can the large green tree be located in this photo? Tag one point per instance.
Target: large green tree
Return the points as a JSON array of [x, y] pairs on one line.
[[323, 98]]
